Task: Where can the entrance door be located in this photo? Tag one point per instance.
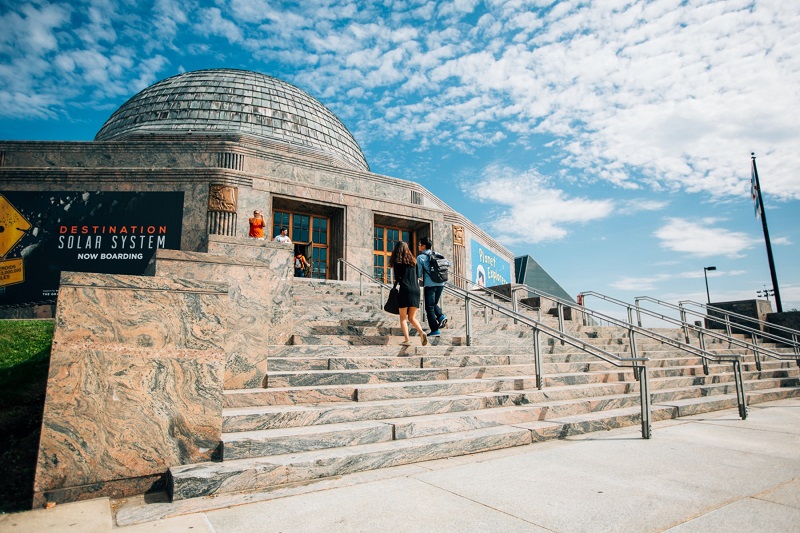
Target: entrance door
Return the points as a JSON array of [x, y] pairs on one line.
[[384, 240], [309, 234]]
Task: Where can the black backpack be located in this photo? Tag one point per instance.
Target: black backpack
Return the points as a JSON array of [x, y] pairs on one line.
[[439, 267]]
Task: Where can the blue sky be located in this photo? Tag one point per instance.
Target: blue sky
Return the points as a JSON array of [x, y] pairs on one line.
[[609, 140]]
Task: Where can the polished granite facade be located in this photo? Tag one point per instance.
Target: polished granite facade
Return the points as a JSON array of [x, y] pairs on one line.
[[135, 384]]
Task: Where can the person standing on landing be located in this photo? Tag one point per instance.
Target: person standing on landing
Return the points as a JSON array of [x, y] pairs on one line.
[[405, 276], [433, 290]]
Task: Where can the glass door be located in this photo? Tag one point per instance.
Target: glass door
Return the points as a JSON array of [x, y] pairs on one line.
[[383, 243], [310, 235]]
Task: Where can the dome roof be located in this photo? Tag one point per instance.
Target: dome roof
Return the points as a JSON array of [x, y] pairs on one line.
[[235, 101]]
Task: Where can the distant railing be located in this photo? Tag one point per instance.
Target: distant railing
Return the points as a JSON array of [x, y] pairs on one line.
[[700, 331]]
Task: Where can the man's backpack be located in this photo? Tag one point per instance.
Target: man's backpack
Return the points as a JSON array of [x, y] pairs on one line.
[[439, 268]]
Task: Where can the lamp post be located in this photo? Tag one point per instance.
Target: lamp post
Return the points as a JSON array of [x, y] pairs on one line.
[[705, 275]]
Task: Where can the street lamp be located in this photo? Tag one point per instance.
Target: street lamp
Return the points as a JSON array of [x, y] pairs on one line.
[[705, 274]]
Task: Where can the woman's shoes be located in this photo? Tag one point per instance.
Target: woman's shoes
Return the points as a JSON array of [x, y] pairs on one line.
[[424, 339], [407, 343]]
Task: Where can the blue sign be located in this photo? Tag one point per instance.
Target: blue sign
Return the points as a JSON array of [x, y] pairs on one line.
[[488, 269]]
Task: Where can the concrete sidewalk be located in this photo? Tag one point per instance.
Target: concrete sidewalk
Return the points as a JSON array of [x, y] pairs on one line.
[[712, 472]]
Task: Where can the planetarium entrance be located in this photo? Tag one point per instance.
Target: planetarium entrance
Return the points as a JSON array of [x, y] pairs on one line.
[[311, 228]]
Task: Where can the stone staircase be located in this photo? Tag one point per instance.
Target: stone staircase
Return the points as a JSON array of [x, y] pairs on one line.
[[344, 396]]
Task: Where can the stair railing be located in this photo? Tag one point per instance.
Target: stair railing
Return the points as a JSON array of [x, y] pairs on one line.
[[753, 346], [342, 263], [793, 339], [638, 364], [701, 334], [516, 305], [633, 330]]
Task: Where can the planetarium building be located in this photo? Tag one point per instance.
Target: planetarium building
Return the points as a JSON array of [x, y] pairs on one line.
[[194, 156]]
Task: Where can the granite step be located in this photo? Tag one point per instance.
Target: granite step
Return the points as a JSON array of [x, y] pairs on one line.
[[261, 443], [206, 479], [281, 416], [349, 377]]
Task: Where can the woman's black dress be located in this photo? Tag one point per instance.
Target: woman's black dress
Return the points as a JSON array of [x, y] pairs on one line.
[[408, 285]]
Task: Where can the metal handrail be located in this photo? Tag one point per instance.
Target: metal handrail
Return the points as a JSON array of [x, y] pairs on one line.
[[795, 334], [701, 332], [637, 363], [515, 303], [726, 320]]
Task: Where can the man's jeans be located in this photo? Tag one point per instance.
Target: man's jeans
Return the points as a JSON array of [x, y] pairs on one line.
[[432, 310]]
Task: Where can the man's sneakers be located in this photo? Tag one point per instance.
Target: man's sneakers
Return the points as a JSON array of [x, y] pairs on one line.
[[443, 322], [434, 334]]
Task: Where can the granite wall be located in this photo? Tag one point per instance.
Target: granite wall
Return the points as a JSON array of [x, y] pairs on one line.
[[758, 309], [135, 384], [259, 274]]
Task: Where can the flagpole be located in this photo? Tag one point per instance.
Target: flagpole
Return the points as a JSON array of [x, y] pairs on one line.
[[778, 304]]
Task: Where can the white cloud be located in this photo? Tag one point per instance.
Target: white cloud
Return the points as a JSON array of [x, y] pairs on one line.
[[702, 239], [213, 22], [531, 209]]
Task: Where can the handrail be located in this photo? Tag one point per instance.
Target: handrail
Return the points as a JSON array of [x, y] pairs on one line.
[[701, 332], [726, 320], [637, 363], [700, 352], [515, 303], [795, 334]]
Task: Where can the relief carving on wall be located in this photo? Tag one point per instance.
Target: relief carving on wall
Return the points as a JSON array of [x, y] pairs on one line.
[[458, 235], [222, 198]]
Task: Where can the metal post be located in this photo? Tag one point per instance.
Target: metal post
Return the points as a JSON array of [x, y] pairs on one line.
[[728, 324], [560, 309], [638, 313], [360, 284], [339, 270], [537, 353], [514, 303], [467, 321], [702, 340], [644, 390], [757, 189], [685, 324], [740, 397], [756, 353], [634, 350]]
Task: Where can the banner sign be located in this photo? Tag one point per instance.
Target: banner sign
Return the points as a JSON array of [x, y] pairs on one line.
[[488, 269], [44, 233]]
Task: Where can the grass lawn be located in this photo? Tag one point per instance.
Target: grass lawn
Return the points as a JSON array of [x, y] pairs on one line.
[[24, 360]]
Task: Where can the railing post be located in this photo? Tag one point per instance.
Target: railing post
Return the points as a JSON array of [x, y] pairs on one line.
[[514, 302], [634, 350], [360, 284], [701, 339], [467, 319], [339, 270], [728, 325], [644, 391], [537, 354], [740, 397], [685, 324], [756, 353], [560, 309], [638, 313]]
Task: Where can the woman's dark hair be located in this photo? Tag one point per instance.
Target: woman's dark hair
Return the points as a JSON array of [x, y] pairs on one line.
[[402, 255]]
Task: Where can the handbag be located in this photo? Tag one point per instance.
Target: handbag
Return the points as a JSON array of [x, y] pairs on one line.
[[392, 304]]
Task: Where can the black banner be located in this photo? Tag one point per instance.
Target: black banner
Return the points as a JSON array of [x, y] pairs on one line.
[[44, 233]]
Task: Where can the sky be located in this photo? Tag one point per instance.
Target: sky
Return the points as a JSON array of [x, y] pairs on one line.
[[610, 140]]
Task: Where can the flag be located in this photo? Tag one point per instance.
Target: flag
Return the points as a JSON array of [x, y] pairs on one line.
[[754, 190]]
